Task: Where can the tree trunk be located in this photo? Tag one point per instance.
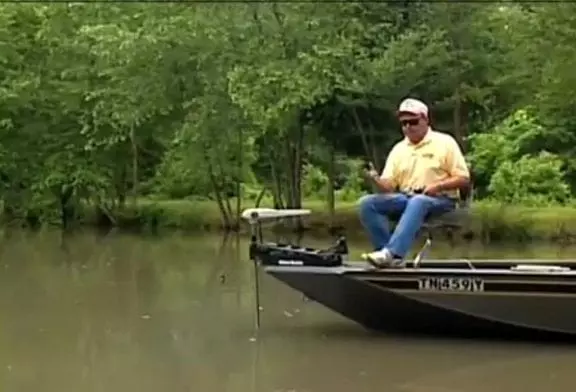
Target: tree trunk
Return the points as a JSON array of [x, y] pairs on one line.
[[294, 145], [121, 183], [278, 202], [239, 178], [134, 163], [330, 189], [457, 119], [260, 197], [298, 153], [217, 194]]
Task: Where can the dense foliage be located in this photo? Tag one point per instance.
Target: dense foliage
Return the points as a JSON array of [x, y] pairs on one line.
[[102, 104]]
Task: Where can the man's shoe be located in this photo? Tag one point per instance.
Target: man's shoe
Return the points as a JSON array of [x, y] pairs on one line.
[[384, 258]]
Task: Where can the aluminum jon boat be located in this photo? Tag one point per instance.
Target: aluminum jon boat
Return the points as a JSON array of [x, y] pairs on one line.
[[514, 298]]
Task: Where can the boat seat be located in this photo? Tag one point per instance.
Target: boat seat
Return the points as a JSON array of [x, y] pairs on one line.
[[455, 218]]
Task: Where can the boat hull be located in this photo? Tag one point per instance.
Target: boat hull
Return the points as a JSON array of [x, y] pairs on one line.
[[509, 304]]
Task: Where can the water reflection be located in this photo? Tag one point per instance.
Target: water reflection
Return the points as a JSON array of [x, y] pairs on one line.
[[140, 313]]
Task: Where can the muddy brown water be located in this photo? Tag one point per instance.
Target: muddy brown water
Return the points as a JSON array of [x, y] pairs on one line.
[[176, 312]]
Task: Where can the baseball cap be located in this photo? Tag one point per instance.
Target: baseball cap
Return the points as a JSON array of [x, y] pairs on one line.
[[413, 106]]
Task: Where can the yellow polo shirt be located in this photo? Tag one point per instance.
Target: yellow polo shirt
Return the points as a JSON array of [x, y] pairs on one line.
[[438, 156]]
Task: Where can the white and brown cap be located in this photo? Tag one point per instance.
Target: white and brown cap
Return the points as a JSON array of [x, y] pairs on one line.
[[413, 106]]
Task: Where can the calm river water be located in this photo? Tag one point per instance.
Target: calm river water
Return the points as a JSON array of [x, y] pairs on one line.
[[135, 313]]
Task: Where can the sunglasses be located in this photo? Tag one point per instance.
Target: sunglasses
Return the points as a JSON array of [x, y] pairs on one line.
[[412, 121]]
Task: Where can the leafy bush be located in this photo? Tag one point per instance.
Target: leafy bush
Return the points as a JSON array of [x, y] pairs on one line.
[[355, 185], [177, 177], [507, 142], [503, 167], [531, 180], [314, 181]]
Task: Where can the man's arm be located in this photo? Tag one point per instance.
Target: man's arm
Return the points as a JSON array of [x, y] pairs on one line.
[[459, 174], [456, 182], [386, 182]]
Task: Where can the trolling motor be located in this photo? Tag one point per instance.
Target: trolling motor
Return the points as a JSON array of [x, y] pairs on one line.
[[271, 253], [286, 254], [278, 254]]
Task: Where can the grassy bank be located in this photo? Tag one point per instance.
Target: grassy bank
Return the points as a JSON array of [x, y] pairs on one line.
[[487, 221]]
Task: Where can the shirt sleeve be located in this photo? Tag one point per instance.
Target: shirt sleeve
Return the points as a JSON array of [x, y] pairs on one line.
[[389, 171], [455, 161]]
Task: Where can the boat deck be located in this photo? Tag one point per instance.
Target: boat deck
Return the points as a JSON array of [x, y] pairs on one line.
[[549, 267]]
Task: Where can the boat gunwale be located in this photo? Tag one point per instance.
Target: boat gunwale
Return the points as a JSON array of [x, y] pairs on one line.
[[367, 270]]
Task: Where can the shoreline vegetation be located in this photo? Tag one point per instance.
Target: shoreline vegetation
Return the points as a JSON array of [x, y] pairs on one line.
[[144, 117], [487, 222]]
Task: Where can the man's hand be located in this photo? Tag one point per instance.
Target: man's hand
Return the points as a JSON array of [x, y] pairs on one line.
[[371, 171], [432, 189], [449, 184], [383, 185]]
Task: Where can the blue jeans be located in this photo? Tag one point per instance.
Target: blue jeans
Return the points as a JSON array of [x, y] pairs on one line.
[[412, 209]]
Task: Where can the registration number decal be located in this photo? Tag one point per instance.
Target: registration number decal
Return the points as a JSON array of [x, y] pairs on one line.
[[451, 284]]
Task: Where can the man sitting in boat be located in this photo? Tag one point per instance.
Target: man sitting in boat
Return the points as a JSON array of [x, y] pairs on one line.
[[422, 175]]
